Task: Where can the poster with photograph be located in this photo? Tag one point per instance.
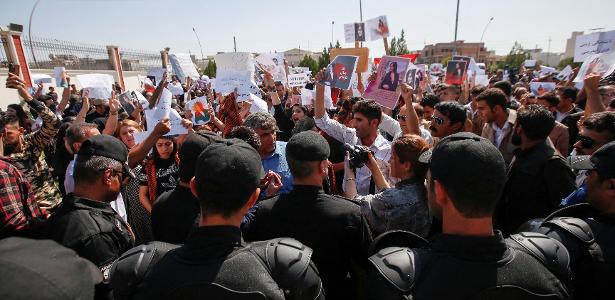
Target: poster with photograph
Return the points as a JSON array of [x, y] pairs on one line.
[[455, 72], [391, 73], [155, 75], [183, 66], [267, 64], [362, 53], [377, 28], [127, 101], [467, 59], [540, 88], [354, 32], [339, 72], [564, 74], [59, 73], [198, 107], [436, 68]]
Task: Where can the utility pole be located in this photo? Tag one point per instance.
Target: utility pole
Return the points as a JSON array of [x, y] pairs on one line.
[[235, 44], [200, 46], [548, 51], [456, 23], [30, 32], [332, 22], [360, 16]]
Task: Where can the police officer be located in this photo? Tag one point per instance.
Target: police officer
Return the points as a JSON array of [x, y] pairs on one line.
[[588, 230], [214, 262], [331, 225], [469, 260], [85, 221]]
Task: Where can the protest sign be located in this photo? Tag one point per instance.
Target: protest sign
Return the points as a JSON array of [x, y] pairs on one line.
[[234, 73], [411, 76], [198, 107], [299, 70], [564, 74], [155, 75], [153, 116], [600, 64], [233, 61], [59, 73], [391, 72], [455, 72], [98, 85], [175, 88], [594, 43], [267, 64], [40, 78], [278, 59], [436, 68], [140, 98], [307, 97], [467, 59], [544, 70], [362, 53], [529, 63], [127, 102], [339, 72], [540, 88], [354, 32], [298, 79], [377, 28], [481, 79], [258, 104], [183, 66]]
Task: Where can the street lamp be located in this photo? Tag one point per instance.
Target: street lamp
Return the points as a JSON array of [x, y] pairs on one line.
[[30, 32], [481, 39], [332, 22], [200, 46], [456, 23]]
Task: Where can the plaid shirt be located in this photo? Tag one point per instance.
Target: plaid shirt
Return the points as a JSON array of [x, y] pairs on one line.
[[230, 114], [31, 160], [13, 210]]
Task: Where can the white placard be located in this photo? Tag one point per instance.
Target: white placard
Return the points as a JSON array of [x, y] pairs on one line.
[[298, 80], [377, 28], [59, 73], [544, 70], [529, 63], [267, 64], [156, 74], [98, 85], [258, 104], [349, 33], [183, 66], [481, 80], [564, 74], [41, 78], [307, 97], [175, 88], [153, 116], [594, 43], [601, 64]]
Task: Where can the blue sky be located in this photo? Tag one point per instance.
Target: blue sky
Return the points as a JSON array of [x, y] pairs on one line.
[[264, 26]]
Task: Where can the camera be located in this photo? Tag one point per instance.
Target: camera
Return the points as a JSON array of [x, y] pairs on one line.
[[358, 155]]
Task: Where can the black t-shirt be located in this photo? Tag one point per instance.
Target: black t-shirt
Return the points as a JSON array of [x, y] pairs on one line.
[[167, 174], [174, 215], [93, 115]]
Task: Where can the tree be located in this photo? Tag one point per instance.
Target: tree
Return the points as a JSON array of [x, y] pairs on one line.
[[337, 44], [515, 57], [444, 62], [398, 45], [309, 62], [568, 61], [210, 69]]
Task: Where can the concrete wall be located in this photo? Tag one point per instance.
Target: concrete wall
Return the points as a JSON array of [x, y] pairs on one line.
[[9, 96]]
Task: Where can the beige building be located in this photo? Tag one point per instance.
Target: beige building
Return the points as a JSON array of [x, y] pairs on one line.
[[295, 55], [570, 44], [440, 51]]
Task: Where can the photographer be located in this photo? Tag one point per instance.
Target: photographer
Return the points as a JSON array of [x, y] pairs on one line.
[[403, 207]]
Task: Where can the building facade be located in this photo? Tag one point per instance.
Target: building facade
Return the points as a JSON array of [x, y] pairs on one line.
[[295, 56], [440, 51]]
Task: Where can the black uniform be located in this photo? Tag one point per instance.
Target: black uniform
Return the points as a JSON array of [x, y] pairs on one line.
[[331, 225], [589, 237], [91, 228], [215, 263], [465, 267]]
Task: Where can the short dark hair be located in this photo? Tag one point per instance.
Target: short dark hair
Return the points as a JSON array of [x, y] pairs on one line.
[[536, 120], [549, 97], [8, 120], [603, 121], [369, 108], [504, 86], [494, 97], [88, 169], [261, 120], [454, 111], [570, 93], [247, 135], [475, 91], [76, 132], [430, 100], [299, 168], [408, 148]]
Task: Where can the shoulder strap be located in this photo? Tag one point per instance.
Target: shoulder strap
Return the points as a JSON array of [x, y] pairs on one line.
[[550, 252], [397, 265]]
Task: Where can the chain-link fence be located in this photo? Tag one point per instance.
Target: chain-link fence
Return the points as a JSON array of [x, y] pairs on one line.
[[46, 53]]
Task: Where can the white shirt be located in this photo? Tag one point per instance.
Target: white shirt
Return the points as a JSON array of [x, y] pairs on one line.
[[381, 149], [500, 133], [560, 116], [69, 187]]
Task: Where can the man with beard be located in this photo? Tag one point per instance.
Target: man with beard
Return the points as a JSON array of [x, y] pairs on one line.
[[367, 116], [26, 151], [499, 121], [448, 118], [85, 221], [539, 177]]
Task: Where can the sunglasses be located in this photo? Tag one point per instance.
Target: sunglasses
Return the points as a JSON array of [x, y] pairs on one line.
[[401, 118], [586, 142], [438, 120]]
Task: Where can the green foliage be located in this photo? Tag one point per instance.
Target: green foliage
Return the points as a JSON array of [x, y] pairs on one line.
[[398, 45], [210, 69], [515, 57], [309, 62], [444, 61], [337, 44], [568, 61]]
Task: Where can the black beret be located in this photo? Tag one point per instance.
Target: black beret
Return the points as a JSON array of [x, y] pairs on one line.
[[308, 146]]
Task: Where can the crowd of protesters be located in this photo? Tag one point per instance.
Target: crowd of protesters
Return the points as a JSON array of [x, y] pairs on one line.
[[459, 192]]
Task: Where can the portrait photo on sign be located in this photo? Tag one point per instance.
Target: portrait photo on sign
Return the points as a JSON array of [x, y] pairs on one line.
[[339, 72], [455, 70], [540, 88], [359, 32], [391, 72], [390, 78], [377, 28]]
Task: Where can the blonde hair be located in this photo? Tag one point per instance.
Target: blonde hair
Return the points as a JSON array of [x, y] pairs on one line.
[[127, 122]]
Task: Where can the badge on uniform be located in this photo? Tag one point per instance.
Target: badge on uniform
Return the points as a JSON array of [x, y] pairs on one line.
[[118, 225]]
